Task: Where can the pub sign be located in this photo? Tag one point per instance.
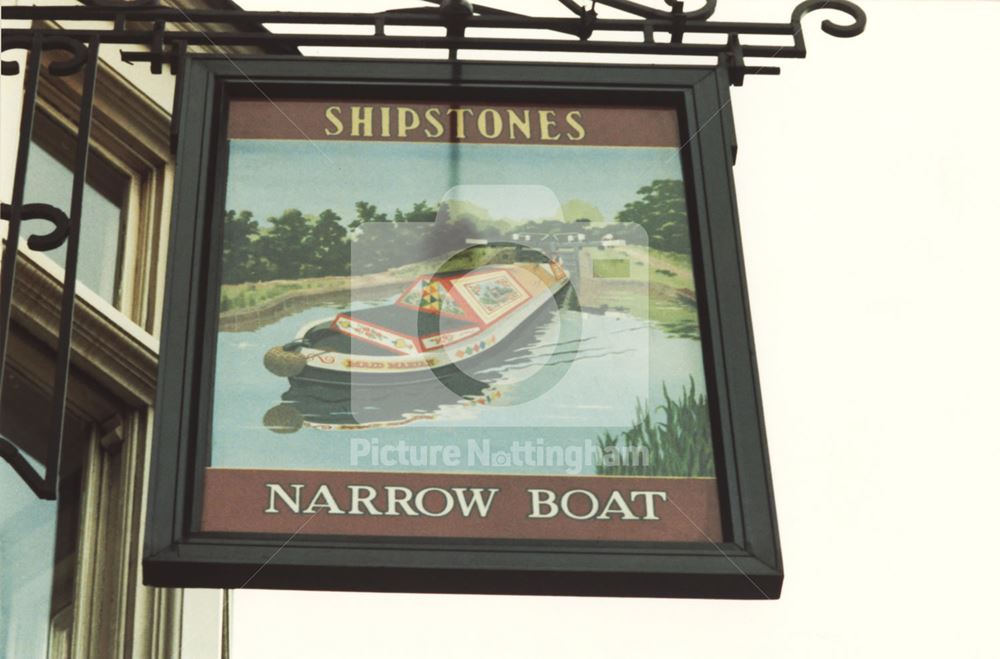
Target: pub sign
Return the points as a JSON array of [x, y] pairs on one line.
[[458, 327]]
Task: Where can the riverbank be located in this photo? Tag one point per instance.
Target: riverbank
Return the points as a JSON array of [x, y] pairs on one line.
[[246, 307], [643, 282], [293, 301]]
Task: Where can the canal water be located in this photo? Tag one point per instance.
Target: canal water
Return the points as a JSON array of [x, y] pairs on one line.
[[539, 407]]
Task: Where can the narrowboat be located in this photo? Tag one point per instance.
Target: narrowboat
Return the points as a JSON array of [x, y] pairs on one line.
[[440, 325]]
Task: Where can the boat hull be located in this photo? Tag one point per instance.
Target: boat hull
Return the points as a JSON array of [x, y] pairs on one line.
[[455, 372]]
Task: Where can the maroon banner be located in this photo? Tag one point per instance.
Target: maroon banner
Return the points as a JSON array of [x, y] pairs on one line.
[[461, 505], [429, 122]]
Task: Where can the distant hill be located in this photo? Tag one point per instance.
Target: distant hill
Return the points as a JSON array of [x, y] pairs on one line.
[[577, 209]]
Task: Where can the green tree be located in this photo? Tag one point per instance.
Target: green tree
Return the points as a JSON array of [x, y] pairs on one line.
[[661, 211], [286, 246], [240, 260], [421, 212], [447, 234], [327, 248], [368, 248], [416, 234], [366, 213]]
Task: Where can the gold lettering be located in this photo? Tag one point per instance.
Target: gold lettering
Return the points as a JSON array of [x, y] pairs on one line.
[[333, 116], [460, 123], [406, 120], [497, 121], [433, 117], [522, 123], [386, 126], [574, 119], [359, 123], [547, 122]]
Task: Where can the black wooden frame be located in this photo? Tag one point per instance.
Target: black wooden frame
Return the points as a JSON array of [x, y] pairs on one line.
[[747, 565]]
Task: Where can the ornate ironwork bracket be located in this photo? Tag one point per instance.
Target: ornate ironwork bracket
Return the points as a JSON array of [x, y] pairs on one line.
[[143, 23], [165, 34], [66, 230]]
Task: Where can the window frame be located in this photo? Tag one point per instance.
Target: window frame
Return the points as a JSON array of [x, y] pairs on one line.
[[49, 126], [131, 133]]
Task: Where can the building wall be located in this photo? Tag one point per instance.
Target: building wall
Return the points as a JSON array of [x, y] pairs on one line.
[[75, 587]]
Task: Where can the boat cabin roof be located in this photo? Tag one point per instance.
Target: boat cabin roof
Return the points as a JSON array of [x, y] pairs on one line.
[[478, 296], [404, 321], [434, 311]]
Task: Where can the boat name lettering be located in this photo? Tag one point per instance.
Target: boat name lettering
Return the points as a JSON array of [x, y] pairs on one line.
[[369, 363]]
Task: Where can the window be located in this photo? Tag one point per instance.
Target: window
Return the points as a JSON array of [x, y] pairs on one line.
[[50, 180], [38, 539]]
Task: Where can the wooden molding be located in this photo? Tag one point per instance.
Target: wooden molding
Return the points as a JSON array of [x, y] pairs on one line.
[[109, 351]]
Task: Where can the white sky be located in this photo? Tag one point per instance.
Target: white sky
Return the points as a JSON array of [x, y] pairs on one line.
[[867, 186]]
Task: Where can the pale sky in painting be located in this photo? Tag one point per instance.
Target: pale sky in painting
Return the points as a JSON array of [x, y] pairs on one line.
[[269, 176]]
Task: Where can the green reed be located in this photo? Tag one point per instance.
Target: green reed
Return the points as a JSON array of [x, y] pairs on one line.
[[678, 443]]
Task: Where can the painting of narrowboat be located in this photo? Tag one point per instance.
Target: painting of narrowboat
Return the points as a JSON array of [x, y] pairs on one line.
[[445, 294]]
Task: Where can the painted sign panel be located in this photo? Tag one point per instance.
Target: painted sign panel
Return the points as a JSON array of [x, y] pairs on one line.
[[459, 320], [474, 329]]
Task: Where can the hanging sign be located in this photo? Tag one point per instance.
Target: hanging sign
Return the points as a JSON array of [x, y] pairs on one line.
[[458, 328]]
